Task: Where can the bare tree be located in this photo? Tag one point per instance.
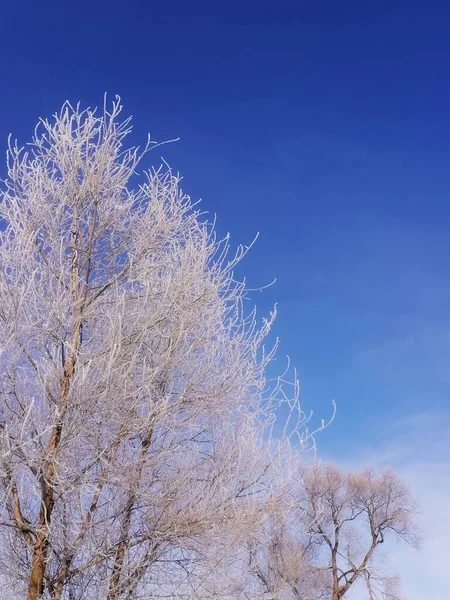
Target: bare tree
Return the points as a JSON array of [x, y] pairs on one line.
[[328, 536], [134, 415]]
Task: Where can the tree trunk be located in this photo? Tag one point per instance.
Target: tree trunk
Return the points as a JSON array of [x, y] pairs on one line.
[[114, 584], [36, 583], [40, 547], [336, 594]]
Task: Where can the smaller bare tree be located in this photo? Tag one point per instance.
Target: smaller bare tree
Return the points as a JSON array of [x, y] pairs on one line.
[[329, 536]]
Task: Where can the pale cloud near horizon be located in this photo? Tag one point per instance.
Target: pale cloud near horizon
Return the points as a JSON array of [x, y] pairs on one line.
[[418, 448]]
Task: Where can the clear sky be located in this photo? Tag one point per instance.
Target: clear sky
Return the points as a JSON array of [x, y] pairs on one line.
[[323, 125]]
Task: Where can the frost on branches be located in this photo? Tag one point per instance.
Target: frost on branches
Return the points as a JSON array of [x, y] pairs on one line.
[[135, 417]]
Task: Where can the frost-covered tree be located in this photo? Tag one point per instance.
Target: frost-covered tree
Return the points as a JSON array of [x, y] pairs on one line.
[[135, 414]]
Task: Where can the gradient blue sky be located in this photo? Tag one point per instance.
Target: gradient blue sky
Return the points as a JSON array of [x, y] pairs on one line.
[[323, 125]]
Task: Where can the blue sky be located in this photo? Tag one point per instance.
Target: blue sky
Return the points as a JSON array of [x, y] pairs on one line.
[[325, 126]]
